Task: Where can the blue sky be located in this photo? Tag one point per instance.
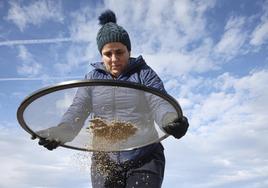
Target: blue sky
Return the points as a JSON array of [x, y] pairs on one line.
[[211, 55]]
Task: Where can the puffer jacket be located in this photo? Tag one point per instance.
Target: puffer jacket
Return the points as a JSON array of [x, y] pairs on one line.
[[137, 71]]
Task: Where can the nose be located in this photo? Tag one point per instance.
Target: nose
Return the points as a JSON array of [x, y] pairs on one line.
[[114, 57]]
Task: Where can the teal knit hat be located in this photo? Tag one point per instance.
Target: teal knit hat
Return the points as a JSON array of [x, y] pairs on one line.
[[110, 31]]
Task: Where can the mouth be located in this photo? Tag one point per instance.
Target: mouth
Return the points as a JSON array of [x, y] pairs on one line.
[[116, 67]]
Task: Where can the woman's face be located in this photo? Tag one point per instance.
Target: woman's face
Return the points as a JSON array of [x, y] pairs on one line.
[[115, 57]]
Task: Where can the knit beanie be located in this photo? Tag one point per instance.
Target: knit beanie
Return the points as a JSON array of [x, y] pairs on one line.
[[110, 31]]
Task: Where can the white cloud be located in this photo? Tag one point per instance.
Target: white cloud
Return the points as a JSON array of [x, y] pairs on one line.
[[84, 25], [259, 35], [189, 12], [28, 67], [233, 39], [35, 41], [42, 78], [171, 83], [76, 58], [234, 98], [26, 164], [170, 21], [83, 28], [35, 13], [183, 62], [227, 134]]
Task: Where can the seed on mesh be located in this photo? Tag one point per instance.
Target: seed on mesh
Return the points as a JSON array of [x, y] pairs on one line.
[[107, 135], [113, 131]]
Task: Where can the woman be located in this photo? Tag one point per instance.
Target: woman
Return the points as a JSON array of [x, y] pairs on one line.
[[143, 167]]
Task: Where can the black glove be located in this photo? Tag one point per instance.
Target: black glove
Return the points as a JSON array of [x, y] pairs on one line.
[[49, 144], [178, 127], [52, 137]]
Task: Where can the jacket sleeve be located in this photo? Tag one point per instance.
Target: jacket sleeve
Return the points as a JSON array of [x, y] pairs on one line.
[[149, 78], [79, 110], [163, 112], [72, 120]]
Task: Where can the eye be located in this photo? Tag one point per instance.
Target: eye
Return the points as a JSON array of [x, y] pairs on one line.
[[119, 52], [108, 54]]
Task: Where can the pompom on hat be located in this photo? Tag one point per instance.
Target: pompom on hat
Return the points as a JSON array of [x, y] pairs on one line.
[[110, 31]]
